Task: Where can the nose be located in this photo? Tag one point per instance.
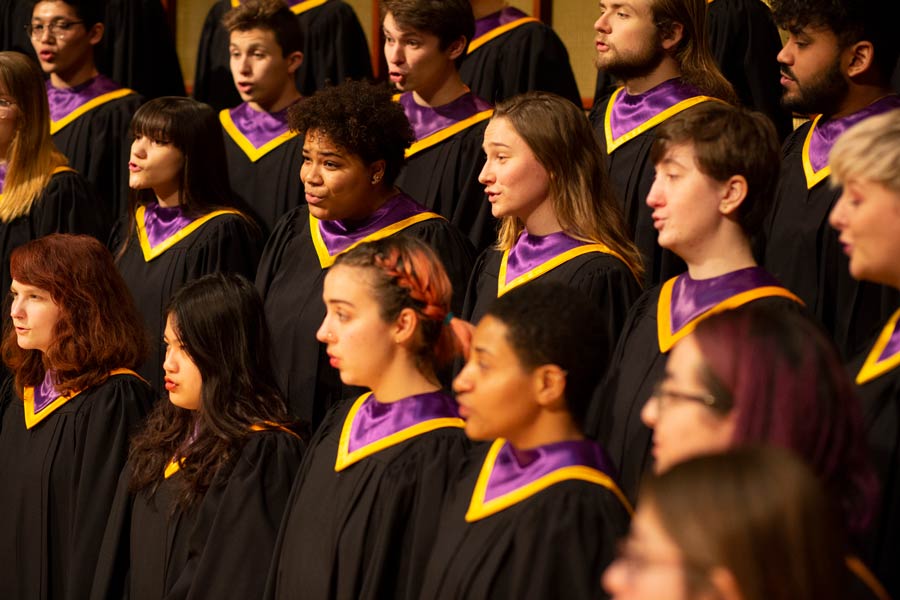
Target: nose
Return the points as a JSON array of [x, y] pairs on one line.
[[655, 198], [139, 148], [486, 175], [244, 65], [169, 365], [15, 309], [784, 56], [838, 216], [601, 25], [614, 578], [650, 413], [463, 383], [393, 53], [323, 334], [309, 174]]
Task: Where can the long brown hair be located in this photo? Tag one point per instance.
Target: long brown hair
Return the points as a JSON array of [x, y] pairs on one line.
[[760, 514], [563, 142], [99, 328], [698, 67], [220, 321], [32, 155]]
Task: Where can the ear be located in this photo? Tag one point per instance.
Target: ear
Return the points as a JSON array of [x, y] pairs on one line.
[[376, 171], [294, 60], [457, 47], [550, 386], [862, 57], [725, 584], [735, 191], [405, 326], [95, 34], [673, 36]]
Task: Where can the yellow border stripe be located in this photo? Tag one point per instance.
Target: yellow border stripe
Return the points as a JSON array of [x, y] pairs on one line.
[[155, 251], [56, 126], [32, 419], [327, 259], [543, 268], [479, 509], [60, 169], [813, 177], [873, 368], [439, 136], [858, 568], [612, 144], [296, 9], [667, 339], [345, 458], [252, 152], [496, 32]]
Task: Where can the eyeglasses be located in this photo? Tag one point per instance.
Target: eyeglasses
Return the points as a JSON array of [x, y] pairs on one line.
[[58, 29], [664, 397]]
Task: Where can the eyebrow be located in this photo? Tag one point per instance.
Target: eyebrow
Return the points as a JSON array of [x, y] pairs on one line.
[[325, 153], [339, 301], [495, 144]]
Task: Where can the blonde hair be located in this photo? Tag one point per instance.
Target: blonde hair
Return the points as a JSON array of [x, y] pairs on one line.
[[564, 143], [869, 150], [32, 156], [698, 67]]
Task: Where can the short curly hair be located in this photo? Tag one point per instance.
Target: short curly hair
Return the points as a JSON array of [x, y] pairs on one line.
[[361, 118]]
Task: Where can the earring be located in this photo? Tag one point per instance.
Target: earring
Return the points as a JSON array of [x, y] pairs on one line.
[[376, 178]]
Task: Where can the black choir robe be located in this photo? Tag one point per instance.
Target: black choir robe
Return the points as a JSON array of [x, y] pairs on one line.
[[14, 15], [878, 387], [290, 279], [97, 143], [530, 56], [265, 179], [614, 418], [59, 480], [219, 549], [553, 544], [801, 249], [67, 205], [603, 278], [213, 243], [363, 533], [334, 49], [138, 49]]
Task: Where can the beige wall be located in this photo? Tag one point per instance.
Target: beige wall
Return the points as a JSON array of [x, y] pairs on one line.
[[572, 19]]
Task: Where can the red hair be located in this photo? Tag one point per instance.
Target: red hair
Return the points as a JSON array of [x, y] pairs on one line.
[[99, 328]]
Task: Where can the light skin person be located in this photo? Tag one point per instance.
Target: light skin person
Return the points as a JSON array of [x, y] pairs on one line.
[[64, 46], [9, 118], [156, 165], [183, 379], [34, 315], [263, 75]]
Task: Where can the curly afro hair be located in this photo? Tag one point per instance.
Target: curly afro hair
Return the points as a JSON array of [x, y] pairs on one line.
[[361, 118]]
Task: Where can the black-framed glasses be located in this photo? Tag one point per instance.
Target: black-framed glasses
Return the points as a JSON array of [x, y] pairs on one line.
[[58, 28], [664, 396]]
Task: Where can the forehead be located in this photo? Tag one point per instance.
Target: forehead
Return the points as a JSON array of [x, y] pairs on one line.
[[500, 131], [392, 26], [317, 140], [683, 154], [349, 284], [53, 10], [256, 36], [636, 6], [492, 336]]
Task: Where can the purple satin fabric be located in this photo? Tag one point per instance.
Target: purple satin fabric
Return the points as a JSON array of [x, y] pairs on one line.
[[64, 100], [630, 111], [259, 127], [3, 169], [506, 15], [161, 223], [514, 468], [693, 297], [341, 234], [531, 251], [426, 120], [893, 345], [45, 393], [376, 420], [826, 133]]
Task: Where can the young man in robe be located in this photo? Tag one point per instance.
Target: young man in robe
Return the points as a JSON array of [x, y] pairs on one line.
[[836, 67], [264, 156], [658, 50], [424, 44], [90, 114]]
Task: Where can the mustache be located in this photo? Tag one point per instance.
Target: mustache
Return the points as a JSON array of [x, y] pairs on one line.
[[786, 71]]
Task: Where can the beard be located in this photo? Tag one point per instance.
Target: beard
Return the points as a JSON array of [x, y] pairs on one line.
[[822, 94], [631, 64]]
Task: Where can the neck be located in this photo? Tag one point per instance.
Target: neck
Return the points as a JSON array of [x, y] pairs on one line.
[[287, 97], [379, 196], [542, 220], [720, 256], [859, 97], [483, 8], [168, 197], [667, 69], [401, 380], [548, 428], [449, 89], [75, 76]]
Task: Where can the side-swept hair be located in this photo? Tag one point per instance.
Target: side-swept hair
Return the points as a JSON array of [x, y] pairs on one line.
[[552, 323], [728, 141], [271, 15], [869, 150], [449, 20], [564, 143], [758, 513], [89, 11], [220, 321], [99, 328], [781, 375], [698, 67], [32, 156]]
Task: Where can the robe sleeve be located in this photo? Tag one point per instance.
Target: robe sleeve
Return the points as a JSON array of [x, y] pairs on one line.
[[114, 560], [68, 205], [233, 246], [270, 261]]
